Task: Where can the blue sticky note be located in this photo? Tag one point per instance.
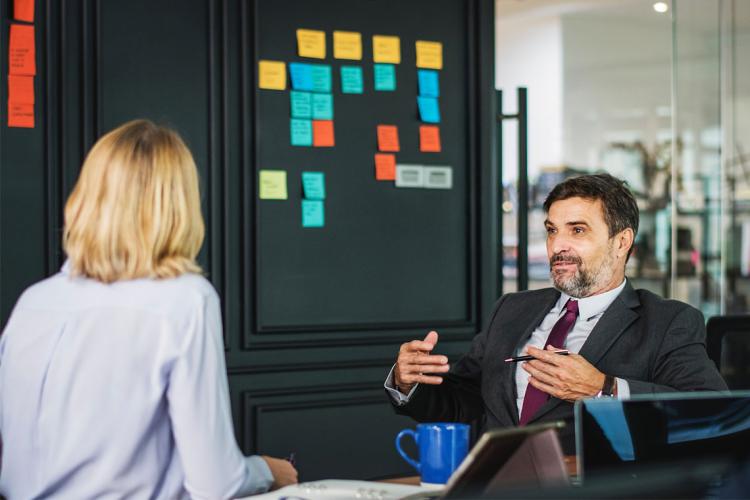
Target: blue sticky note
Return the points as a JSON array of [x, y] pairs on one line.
[[351, 80], [313, 214], [302, 76], [385, 77], [301, 104], [429, 84], [321, 78], [314, 185], [428, 109], [322, 107], [301, 132]]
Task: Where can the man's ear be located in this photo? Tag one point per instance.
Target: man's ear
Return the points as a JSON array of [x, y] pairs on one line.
[[625, 242]]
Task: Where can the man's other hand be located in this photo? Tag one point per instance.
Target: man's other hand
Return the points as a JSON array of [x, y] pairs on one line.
[[283, 472], [415, 364], [568, 377]]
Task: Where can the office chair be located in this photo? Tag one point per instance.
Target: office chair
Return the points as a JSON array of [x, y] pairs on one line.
[[728, 345]]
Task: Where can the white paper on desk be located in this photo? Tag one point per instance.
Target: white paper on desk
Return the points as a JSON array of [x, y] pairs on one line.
[[341, 489]]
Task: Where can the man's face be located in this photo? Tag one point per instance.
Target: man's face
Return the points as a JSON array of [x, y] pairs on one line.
[[583, 258]]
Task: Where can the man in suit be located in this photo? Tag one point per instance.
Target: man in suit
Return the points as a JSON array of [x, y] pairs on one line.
[[621, 341]]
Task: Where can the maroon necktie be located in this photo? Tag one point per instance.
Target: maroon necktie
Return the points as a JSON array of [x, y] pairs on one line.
[[534, 398]]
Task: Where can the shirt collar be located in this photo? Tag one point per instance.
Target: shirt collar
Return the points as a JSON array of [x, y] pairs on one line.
[[590, 307]]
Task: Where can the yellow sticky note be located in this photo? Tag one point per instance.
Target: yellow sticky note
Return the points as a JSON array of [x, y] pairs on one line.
[[273, 185], [429, 55], [386, 49], [311, 43], [347, 45], [272, 75]]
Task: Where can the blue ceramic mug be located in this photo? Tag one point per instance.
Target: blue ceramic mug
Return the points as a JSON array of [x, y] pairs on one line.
[[442, 447]]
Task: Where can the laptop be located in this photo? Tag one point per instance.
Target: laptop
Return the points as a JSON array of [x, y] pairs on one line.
[[528, 456], [651, 431]]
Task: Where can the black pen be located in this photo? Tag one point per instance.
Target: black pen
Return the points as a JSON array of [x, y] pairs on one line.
[[291, 459], [564, 352]]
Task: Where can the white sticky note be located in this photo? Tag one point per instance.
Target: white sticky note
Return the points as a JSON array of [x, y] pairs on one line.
[[438, 177], [409, 176]]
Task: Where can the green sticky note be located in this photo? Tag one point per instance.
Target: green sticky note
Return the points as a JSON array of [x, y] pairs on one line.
[[385, 77], [272, 185], [314, 185], [351, 80], [321, 78], [322, 107], [301, 104], [313, 214], [301, 132]]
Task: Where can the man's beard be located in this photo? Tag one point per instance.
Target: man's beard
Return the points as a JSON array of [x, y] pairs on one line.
[[584, 281]]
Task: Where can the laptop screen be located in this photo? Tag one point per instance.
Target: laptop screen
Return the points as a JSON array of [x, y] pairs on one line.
[[657, 429]]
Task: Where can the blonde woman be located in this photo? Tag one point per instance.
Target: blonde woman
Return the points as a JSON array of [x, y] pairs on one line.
[[112, 374]]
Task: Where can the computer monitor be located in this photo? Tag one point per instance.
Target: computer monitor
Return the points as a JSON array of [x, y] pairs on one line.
[[654, 430]]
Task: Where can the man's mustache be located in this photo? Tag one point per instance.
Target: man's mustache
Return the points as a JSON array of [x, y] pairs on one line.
[[564, 258]]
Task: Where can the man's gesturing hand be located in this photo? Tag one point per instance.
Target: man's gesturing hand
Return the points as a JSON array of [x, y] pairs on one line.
[[415, 362], [568, 377]]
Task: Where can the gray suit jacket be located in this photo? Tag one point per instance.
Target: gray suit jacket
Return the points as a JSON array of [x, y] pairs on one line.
[[657, 345]]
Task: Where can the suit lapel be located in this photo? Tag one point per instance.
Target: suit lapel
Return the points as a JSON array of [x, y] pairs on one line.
[[613, 323]]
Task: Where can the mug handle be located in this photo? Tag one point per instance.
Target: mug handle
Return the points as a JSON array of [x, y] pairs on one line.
[[411, 461]]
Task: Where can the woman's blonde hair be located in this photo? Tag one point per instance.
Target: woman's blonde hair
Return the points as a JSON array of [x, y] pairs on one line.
[[135, 210]]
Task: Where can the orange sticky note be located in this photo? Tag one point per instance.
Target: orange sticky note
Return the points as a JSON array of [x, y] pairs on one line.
[[23, 10], [20, 115], [22, 52], [323, 133], [385, 167], [20, 89], [388, 138], [429, 139]]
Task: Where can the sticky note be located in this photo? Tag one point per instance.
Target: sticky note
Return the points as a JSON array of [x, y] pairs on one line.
[[23, 10], [428, 109], [429, 83], [386, 49], [22, 50], [20, 115], [388, 138], [429, 55], [385, 77], [323, 133], [313, 214], [311, 43], [347, 45], [429, 139], [271, 75], [20, 89], [302, 77], [385, 166], [301, 132], [438, 177], [409, 176], [322, 106], [351, 80], [301, 103], [314, 185], [321, 78], [272, 185]]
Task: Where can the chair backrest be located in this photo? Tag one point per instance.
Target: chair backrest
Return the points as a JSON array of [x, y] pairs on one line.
[[728, 345]]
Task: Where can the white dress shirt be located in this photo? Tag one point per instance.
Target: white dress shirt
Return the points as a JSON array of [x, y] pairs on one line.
[[119, 390], [590, 309]]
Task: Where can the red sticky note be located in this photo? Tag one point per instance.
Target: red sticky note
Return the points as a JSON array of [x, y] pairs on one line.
[[20, 89], [20, 115], [23, 10], [388, 138], [22, 51], [385, 167], [429, 139], [323, 133]]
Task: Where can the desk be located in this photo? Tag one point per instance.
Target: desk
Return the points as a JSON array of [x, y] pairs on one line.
[[570, 464]]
